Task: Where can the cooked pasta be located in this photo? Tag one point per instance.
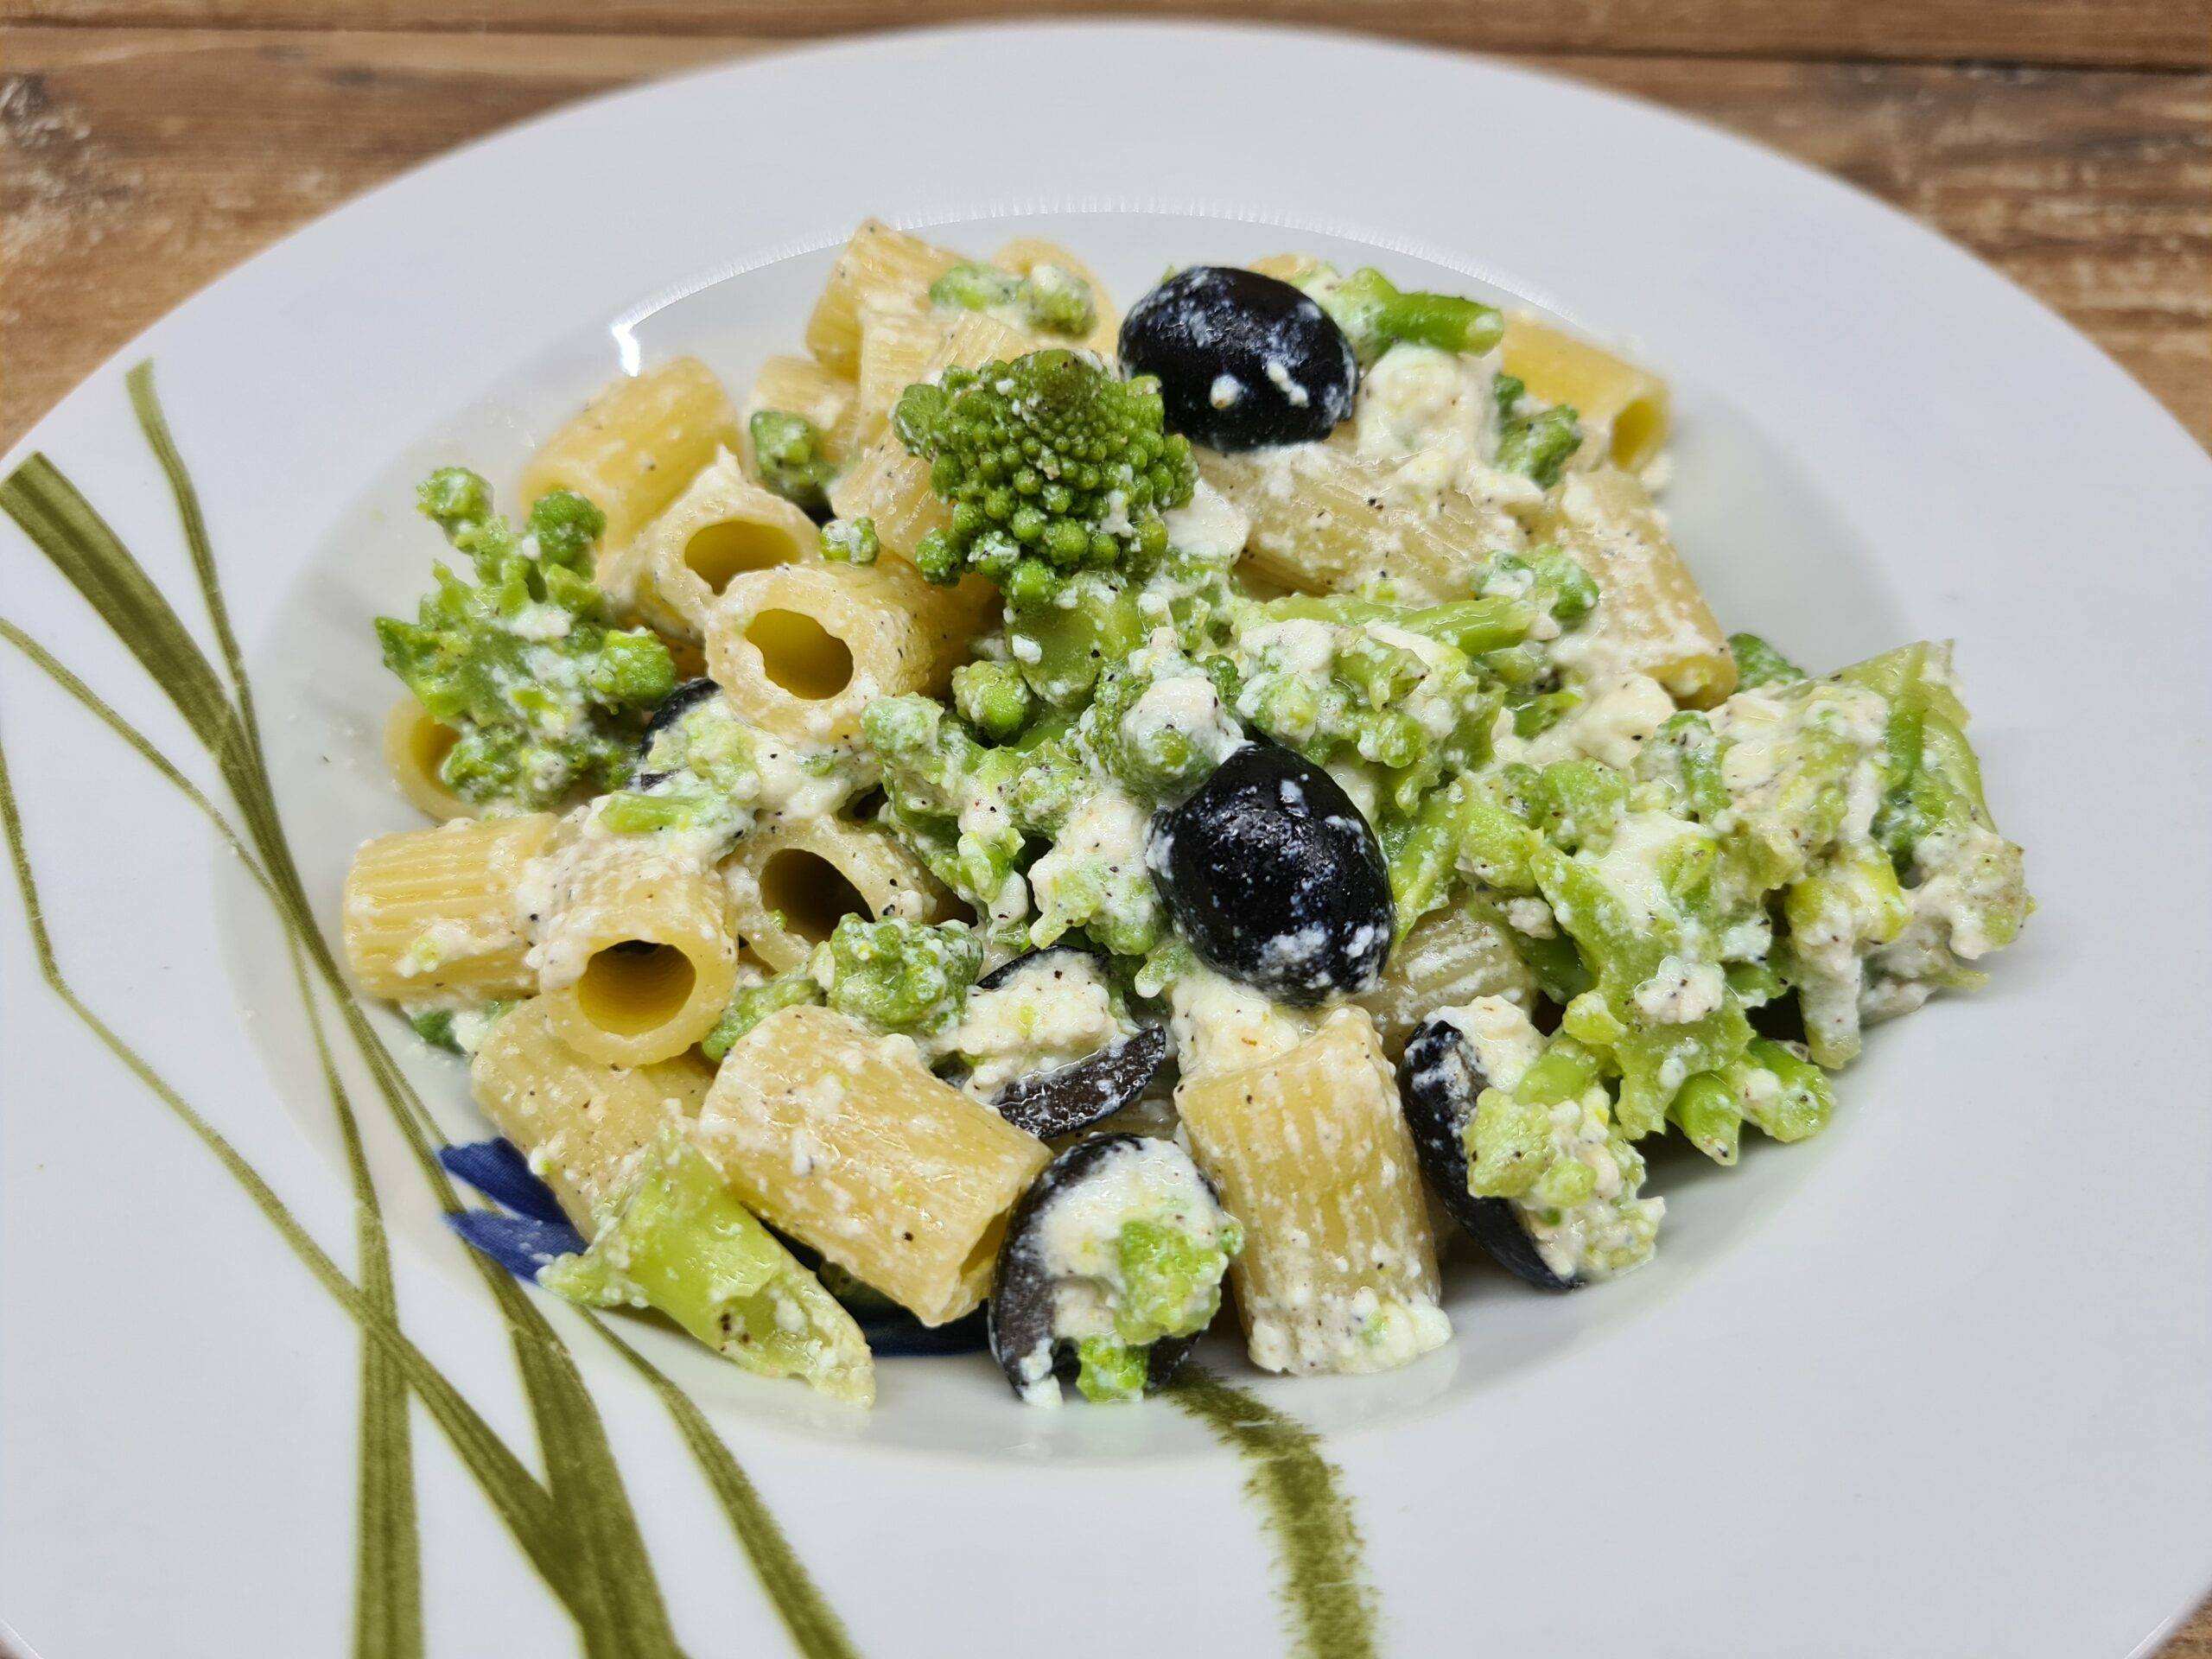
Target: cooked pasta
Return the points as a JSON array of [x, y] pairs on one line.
[[414, 745], [847, 1143], [636, 445], [880, 267], [1650, 617], [723, 525], [1311, 1153], [1095, 812], [791, 885], [1624, 407], [429, 915], [803, 649], [585, 1123], [635, 957]]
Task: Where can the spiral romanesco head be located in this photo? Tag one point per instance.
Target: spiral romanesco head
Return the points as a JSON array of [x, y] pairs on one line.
[[1051, 465]]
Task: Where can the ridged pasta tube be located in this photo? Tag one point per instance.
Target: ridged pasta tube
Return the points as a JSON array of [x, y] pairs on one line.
[[430, 915]]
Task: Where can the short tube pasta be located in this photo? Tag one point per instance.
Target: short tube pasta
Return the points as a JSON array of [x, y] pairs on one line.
[[1325, 520], [635, 956], [1025, 253], [1447, 958], [1311, 1153], [879, 266], [803, 649], [430, 915], [415, 747], [1625, 407], [892, 487], [789, 885], [849, 1144], [799, 386], [1651, 618], [723, 526], [636, 445], [585, 1123]]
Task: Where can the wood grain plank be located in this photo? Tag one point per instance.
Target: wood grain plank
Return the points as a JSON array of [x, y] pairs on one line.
[[2172, 32], [135, 166]]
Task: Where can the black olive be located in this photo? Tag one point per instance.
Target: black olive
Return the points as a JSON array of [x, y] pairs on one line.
[[1439, 1079], [1243, 360], [1024, 1300], [1085, 1091], [1275, 879], [676, 704]]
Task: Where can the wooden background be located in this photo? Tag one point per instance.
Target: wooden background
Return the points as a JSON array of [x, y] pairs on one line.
[[146, 146]]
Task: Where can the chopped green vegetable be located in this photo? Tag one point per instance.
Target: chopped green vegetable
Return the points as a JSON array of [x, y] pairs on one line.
[[680, 1243], [1374, 314], [520, 660], [791, 989], [1759, 663], [850, 541], [1051, 465], [787, 452], [993, 697], [1536, 443], [1049, 298], [898, 976]]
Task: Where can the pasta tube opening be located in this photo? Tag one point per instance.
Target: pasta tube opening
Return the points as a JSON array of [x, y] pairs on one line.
[[415, 747], [635, 987], [719, 552], [810, 893], [800, 655]]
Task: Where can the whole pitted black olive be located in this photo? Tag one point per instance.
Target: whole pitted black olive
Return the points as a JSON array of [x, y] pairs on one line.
[[1243, 360], [1085, 1091], [1275, 879], [678, 703], [1439, 1079]]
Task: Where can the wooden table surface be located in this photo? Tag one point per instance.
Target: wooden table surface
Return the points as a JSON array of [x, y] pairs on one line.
[[146, 146]]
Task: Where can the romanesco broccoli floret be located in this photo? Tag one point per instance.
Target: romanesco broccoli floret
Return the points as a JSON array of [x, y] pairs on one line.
[[896, 975], [1758, 663], [788, 452], [519, 659], [1049, 298], [795, 987], [1374, 314], [1051, 465]]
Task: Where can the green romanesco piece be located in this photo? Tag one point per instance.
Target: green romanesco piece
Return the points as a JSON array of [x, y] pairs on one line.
[[850, 541], [679, 1241], [1051, 465], [518, 656], [795, 987], [1537, 443], [1048, 298], [896, 975], [787, 450], [1759, 663]]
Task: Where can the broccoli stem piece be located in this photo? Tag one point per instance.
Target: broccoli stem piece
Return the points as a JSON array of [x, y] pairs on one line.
[[1376, 314], [1759, 663], [682, 1243]]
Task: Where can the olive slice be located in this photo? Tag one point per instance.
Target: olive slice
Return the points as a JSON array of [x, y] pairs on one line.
[[1089, 1090], [1439, 1080], [678, 703]]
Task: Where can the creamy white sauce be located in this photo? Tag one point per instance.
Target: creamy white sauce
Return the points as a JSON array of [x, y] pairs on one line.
[[1048, 1014]]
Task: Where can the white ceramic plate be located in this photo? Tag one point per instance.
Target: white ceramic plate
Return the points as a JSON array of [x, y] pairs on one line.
[[1939, 1383]]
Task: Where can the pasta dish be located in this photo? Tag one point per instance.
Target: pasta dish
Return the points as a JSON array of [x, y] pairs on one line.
[[1041, 821]]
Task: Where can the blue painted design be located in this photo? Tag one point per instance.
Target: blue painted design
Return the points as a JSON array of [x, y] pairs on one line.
[[497, 1170], [521, 1244]]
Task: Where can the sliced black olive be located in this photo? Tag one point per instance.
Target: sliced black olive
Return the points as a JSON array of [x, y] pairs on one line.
[[1024, 1305], [1440, 1078], [1085, 1091], [1243, 360], [1275, 878], [678, 702]]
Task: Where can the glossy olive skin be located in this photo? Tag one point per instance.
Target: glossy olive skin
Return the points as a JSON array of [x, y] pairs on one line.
[[1243, 361], [1275, 879], [1440, 1078], [678, 702], [1019, 1312], [1085, 1091]]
